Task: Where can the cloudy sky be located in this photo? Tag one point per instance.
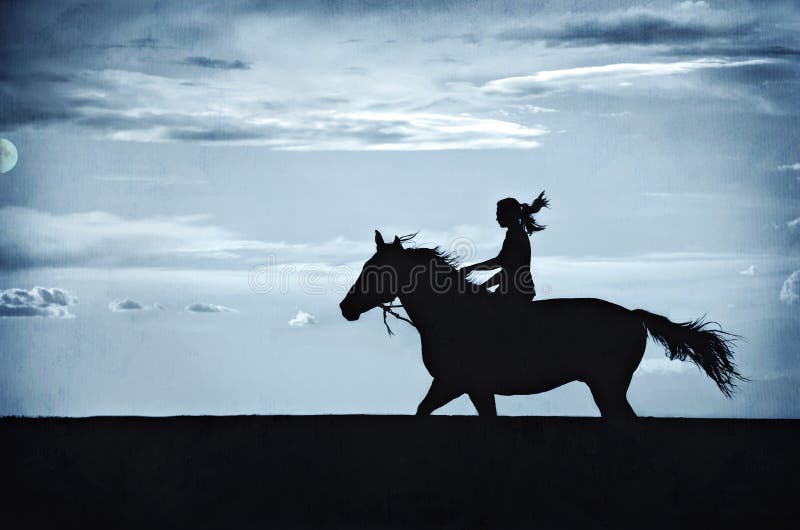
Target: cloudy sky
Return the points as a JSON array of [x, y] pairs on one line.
[[197, 184]]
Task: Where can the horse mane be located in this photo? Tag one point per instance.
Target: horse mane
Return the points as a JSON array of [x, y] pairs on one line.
[[440, 256], [449, 260], [437, 254]]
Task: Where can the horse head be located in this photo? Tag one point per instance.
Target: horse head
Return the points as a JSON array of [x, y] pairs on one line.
[[378, 282]]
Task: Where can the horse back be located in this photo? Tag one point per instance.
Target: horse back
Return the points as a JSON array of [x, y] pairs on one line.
[[539, 344]]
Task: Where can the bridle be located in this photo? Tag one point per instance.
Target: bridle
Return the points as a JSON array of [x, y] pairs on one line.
[[387, 310]]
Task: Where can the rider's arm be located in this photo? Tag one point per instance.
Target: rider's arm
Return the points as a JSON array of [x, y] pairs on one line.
[[491, 282], [487, 265], [494, 263]]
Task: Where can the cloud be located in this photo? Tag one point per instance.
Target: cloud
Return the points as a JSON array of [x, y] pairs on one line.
[[752, 270], [123, 83], [692, 4], [165, 111], [302, 319], [37, 302], [741, 49], [216, 134], [136, 44], [126, 304], [794, 225], [119, 80], [790, 292], [469, 37], [416, 131], [604, 76], [220, 64], [209, 308], [789, 167], [24, 102], [143, 42], [631, 28], [29, 238]]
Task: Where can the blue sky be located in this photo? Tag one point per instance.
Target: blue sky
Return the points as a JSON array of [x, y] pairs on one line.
[[170, 154]]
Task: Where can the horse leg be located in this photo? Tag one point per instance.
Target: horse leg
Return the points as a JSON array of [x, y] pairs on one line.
[[484, 403], [612, 400], [439, 395], [610, 382]]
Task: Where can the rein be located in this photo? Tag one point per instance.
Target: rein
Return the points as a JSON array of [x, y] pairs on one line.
[[387, 310]]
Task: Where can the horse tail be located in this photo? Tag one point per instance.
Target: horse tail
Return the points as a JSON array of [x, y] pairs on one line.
[[709, 349]]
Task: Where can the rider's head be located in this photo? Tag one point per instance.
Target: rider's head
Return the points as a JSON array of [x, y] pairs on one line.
[[510, 212]]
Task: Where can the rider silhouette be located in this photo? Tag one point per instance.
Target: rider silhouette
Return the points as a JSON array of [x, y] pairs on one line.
[[514, 260]]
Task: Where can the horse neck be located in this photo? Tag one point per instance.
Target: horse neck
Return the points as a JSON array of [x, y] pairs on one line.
[[427, 298]]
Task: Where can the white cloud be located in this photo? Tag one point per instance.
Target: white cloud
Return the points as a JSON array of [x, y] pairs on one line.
[[174, 245], [163, 109], [752, 270], [38, 302], [125, 304], [789, 167], [532, 109], [794, 225], [313, 95], [416, 131], [693, 5], [790, 292], [105, 239], [201, 307], [30, 238], [608, 75], [302, 319]]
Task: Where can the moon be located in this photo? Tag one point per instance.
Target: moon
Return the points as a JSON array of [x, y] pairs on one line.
[[8, 155]]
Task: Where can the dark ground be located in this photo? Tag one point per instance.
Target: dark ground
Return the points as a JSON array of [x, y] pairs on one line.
[[398, 472]]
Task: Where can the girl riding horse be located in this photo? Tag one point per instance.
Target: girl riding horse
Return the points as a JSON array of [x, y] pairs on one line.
[[468, 346], [514, 260]]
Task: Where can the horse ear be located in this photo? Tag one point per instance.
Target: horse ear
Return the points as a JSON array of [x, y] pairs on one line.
[[378, 240], [397, 242]]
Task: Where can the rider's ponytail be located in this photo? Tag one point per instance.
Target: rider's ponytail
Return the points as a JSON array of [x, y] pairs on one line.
[[528, 210], [522, 213]]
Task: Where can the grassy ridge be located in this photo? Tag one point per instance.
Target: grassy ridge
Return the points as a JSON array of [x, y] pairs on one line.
[[399, 472]]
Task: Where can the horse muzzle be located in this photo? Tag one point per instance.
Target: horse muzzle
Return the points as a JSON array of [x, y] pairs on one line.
[[348, 313]]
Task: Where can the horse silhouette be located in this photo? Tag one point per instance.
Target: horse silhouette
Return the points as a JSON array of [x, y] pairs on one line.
[[478, 343]]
